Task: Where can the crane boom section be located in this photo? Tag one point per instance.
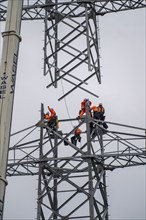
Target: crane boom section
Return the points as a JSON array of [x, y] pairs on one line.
[[8, 67]]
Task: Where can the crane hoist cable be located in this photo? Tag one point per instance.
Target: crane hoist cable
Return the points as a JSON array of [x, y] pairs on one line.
[[66, 104]]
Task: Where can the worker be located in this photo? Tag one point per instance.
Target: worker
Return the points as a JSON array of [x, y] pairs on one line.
[[94, 112], [51, 119], [101, 111], [98, 113], [83, 109], [76, 136]]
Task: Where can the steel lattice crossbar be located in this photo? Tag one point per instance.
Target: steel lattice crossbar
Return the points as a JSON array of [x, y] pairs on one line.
[[34, 9]]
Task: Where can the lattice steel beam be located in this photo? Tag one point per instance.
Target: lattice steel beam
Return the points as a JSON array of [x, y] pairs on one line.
[[76, 48], [64, 171], [34, 9], [66, 52], [120, 149]]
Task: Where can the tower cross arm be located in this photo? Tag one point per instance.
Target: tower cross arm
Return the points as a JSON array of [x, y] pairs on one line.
[[104, 7], [36, 10], [122, 160]]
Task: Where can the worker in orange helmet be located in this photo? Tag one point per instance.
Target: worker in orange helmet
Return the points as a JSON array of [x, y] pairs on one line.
[[94, 111], [83, 109], [98, 113], [76, 136], [51, 119]]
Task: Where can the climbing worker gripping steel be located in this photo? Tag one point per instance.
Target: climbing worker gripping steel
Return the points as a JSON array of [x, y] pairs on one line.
[[51, 119], [82, 111]]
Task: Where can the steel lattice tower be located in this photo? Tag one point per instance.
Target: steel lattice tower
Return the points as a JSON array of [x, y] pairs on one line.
[[72, 185]]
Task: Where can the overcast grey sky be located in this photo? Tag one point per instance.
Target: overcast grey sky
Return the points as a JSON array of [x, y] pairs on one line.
[[122, 92]]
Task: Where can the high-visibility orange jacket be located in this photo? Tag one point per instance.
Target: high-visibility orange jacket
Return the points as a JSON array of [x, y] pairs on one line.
[[82, 111], [83, 104], [94, 108], [48, 116], [100, 109], [53, 113], [78, 131], [97, 109]]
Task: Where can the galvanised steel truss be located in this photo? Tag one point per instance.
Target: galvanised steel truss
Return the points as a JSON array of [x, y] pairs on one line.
[[76, 49], [72, 183], [34, 9]]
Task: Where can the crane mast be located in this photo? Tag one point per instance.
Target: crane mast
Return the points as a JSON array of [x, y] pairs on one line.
[[8, 68]]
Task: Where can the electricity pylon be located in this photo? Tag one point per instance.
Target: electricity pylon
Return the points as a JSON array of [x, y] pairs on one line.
[[72, 185], [72, 179]]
